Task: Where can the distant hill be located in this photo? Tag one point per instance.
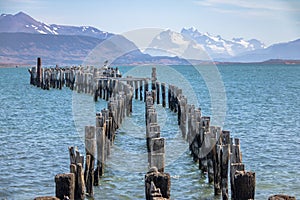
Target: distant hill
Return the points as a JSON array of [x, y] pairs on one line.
[[281, 51], [26, 47]]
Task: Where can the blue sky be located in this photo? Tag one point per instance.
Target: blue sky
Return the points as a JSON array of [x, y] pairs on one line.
[[270, 21]]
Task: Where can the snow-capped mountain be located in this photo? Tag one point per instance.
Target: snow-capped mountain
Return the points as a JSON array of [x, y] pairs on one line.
[[191, 44], [217, 47], [22, 22], [170, 43]]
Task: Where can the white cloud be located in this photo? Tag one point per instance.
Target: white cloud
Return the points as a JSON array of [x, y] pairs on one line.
[[269, 5]]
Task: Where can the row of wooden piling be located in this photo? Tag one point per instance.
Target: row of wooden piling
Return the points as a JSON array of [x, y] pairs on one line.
[[99, 138], [78, 78], [210, 146], [157, 183], [217, 154], [194, 127]]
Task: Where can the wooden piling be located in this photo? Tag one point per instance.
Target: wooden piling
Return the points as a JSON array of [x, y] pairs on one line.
[[153, 78], [217, 169], [244, 185], [224, 171], [163, 94], [235, 154], [160, 180], [76, 162], [100, 138], [233, 168], [210, 160], [169, 97], [281, 197], [157, 93], [145, 89], [157, 153], [153, 93], [65, 186], [141, 90], [152, 131], [90, 147], [136, 89], [39, 72]]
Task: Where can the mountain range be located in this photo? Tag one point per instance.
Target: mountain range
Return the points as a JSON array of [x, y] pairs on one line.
[[217, 47], [23, 38], [22, 22]]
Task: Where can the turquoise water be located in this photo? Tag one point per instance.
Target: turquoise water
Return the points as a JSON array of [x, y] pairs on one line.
[[37, 126]]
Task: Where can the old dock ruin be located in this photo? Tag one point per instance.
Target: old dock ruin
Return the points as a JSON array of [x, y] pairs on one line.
[[217, 154]]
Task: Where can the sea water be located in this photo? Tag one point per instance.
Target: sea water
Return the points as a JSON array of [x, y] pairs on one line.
[[261, 108]]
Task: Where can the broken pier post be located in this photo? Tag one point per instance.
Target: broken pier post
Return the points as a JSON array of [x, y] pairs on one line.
[[160, 180], [65, 185]]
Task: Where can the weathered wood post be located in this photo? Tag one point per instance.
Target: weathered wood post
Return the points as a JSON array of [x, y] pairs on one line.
[[136, 89], [169, 96], [32, 72], [183, 115], [216, 151], [90, 148], [153, 93], [85, 83], [153, 79], [111, 87], [157, 153], [48, 79], [107, 90], [235, 162], [76, 163], [146, 88], [225, 150], [60, 78], [163, 94], [213, 141], [160, 180], [39, 72], [72, 79], [233, 168], [100, 89], [178, 95], [105, 114], [205, 138], [65, 186], [157, 92], [244, 185], [224, 171], [77, 170], [100, 140], [116, 86], [96, 90], [281, 197], [235, 153], [141, 90]]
